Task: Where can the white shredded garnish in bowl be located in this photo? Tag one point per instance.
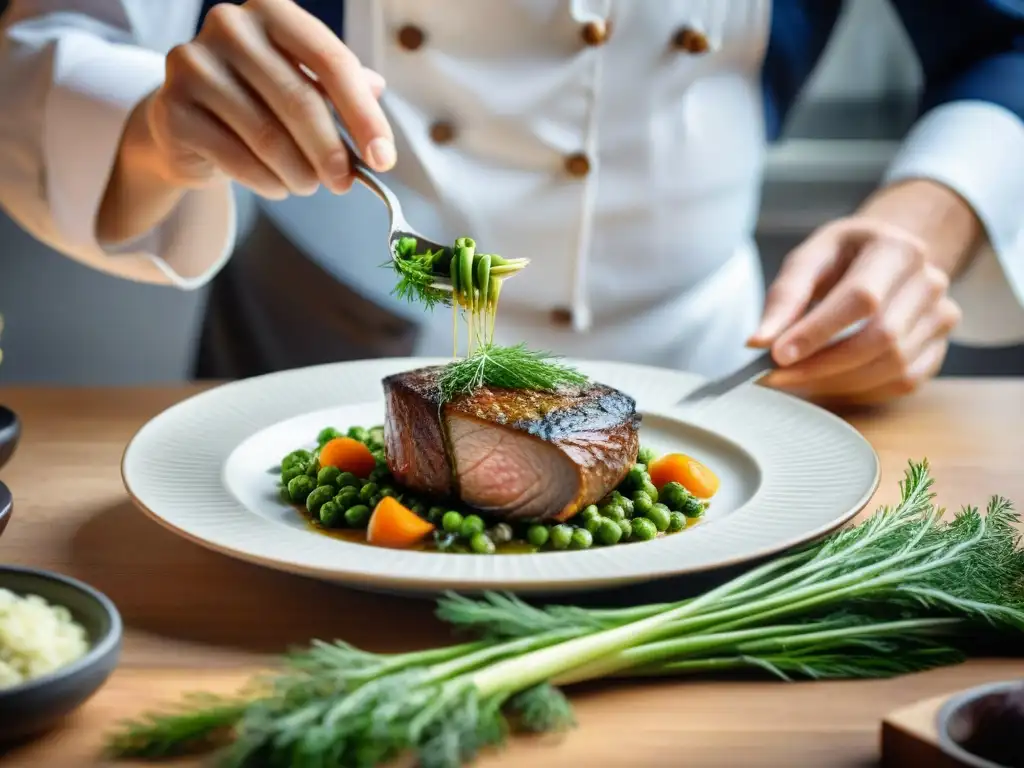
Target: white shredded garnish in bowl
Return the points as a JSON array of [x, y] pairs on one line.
[[36, 638]]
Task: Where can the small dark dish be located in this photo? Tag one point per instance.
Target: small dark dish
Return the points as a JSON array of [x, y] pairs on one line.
[[29, 709], [982, 727], [10, 431]]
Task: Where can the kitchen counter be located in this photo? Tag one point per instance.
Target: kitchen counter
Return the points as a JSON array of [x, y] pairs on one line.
[[196, 620]]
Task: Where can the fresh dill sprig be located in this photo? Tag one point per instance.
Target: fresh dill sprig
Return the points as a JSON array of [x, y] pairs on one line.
[[507, 368], [905, 591], [417, 273]]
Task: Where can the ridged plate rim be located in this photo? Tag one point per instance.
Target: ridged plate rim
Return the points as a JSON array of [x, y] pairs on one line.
[[172, 470]]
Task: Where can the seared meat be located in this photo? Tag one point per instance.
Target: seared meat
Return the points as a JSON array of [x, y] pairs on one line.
[[515, 454]]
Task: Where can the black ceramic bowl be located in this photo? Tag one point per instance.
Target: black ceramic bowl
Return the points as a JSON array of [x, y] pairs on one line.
[[10, 431], [982, 727], [31, 708]]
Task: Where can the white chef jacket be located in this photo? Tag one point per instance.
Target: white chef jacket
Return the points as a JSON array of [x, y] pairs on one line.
[[631, 180]]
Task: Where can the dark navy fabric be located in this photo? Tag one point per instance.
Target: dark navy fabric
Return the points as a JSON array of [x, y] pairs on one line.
[[969, 49]]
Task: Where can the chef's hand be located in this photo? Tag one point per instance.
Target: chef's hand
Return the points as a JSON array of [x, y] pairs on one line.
[[237, 102], [888, 268]]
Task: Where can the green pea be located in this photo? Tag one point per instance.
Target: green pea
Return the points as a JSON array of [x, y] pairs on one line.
[[538, 535], [347, 497], [609, 533], [300, 487], [387, 490], [282, 492], [635, 477], [358, 433], [501, 533], [561, 536], [379, 474], [348, 480], [357, 516], [368, 491], [377, 498], [589, 512], [434, 514], [676, 522], [694, 507], [419, 507], [375, 437], [660, 515], [613, 511], [645, 456], [674, 496], [641, 504], [626, 526], [652, 491], [292, 471], [331, 515], [326, 435], [329, 476], [593, 523], [481, 544], [581, 539], [452, 521], [471, 525], [318, 497], [627, 505], [300, 456], [643, 529]]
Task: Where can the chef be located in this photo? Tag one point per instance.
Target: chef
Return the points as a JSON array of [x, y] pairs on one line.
[[619, 145]]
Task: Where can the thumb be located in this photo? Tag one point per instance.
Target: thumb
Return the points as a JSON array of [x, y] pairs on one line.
[[801, 277]]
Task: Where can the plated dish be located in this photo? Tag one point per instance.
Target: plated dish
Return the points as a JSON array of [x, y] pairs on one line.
[[209, 469], [497, 470]]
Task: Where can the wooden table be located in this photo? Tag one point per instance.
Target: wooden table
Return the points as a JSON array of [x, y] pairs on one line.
[[199, 620]]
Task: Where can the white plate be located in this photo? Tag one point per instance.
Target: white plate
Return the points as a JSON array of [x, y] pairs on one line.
[[790, 472]]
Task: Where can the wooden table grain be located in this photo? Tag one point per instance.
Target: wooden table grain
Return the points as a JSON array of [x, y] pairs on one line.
[[198, 620]]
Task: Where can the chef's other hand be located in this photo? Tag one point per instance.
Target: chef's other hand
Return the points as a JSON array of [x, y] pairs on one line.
[[247, 98], [863, 270]]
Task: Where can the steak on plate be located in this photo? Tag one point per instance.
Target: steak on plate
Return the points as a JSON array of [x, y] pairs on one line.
[[514, 454]]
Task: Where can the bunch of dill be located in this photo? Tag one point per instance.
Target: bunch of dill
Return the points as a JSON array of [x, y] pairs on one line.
[[904, 591]]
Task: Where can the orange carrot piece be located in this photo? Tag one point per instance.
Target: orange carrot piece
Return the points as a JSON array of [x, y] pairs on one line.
[[396, 526], [348, 455], [688, 472]]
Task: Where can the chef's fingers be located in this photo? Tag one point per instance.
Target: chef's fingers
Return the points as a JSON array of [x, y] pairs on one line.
[[207, 137], [237, 35], [881, 267], [806, 269], [925, 367], [213, 87], [339, 72], [886, 334], [898, 367], [375, 80]]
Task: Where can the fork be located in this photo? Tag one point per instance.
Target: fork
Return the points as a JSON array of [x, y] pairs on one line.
[[398, 226]]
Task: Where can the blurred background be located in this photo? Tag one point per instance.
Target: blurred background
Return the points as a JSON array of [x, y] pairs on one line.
[[66, 324]]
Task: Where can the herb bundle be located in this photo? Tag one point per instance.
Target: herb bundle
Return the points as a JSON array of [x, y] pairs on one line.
[[902, 592], [507, 368], [476, 280]]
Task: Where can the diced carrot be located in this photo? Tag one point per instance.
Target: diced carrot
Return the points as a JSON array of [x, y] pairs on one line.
[[396, 526], [348, 455], [688, 472]]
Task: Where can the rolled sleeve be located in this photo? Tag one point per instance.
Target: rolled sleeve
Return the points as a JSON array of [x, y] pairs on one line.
[[71, 80], [976, 148]]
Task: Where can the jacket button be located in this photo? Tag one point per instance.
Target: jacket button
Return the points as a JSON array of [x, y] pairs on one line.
[[561, 317], [442, 132], [411, 37], [577, 165], [689, 40], [595, 32]]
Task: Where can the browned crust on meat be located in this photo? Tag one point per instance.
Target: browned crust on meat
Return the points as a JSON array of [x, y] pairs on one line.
[[595, 426]]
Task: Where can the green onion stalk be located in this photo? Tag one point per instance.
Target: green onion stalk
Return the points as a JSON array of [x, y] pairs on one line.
[[476, 287], [904, 591]]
